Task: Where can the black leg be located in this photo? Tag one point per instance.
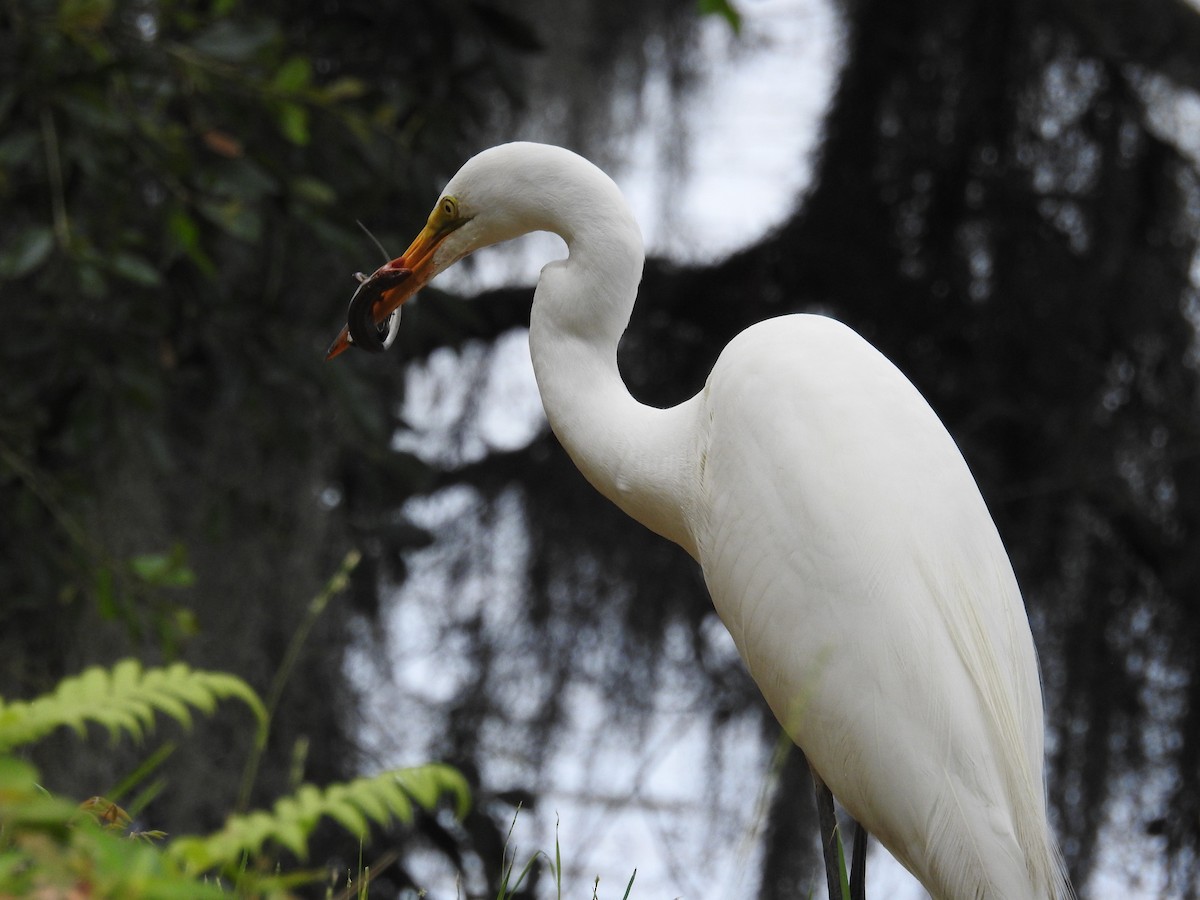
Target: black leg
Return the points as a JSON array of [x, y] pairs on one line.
[[827, 820], [858, 867]]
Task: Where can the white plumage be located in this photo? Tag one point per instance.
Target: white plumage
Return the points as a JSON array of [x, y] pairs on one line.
[[842, 537]]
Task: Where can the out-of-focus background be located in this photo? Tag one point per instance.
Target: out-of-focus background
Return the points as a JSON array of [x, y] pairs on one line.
[[1004, 198]]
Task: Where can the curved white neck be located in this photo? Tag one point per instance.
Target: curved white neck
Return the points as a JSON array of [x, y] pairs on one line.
[[637, 456]]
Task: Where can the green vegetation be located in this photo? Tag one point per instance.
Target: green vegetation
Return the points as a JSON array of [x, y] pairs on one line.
[[510, 886], [53, 846], [180, 183], [124, 700]]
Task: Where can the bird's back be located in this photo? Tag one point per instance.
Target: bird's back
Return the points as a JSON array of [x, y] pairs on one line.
[[852, 558]]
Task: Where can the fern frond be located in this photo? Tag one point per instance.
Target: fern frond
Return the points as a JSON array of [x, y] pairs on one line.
[[125, 700], [354, 805]]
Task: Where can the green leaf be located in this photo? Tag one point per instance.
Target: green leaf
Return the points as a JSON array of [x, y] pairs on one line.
[[184, 232], [350, 818], [426, 783], [378, 799], [106, 598], [123, 700], [164, 569], [293, 122], [725, 9], [292, 834], [235, 42], [314, 191], [84, 15], [234, 217], [843, 877], [345, 88], [294, 75], [36, 809], [28, 251], [16, 776], [92, 283], [135, 268]]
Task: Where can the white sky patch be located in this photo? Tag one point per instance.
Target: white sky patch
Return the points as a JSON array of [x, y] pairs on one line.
[[753, 124], [752, 127]]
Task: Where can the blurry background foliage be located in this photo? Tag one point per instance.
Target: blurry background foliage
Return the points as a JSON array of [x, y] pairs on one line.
[[179, 470], [1004, 202], [52, 847]]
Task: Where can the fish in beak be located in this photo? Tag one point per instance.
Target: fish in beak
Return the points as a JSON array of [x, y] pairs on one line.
[[373, 317]]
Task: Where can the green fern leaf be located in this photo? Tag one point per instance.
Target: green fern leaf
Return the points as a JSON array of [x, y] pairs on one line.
[[306, 806], [292, 834], [354, 805], [425, 783], [349, 816], [125, 701], [384, 800]]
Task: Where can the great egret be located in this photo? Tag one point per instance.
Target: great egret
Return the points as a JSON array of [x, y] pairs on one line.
[[843, 540]]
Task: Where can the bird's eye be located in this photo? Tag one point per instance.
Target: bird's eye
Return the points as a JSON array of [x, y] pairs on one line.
[[449, 207]]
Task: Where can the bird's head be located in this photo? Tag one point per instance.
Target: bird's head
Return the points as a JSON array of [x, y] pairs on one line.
[[499, 194]]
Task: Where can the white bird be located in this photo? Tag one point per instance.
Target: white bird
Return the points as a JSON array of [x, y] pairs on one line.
[[842, 537]]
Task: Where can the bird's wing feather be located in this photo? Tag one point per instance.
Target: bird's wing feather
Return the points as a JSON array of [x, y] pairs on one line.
[[850, 554]]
